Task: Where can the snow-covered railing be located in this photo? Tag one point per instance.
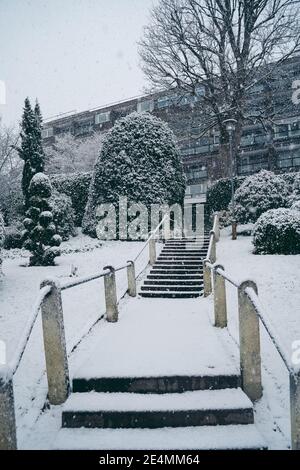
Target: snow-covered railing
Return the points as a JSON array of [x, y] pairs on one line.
[[250, 314], [49, 302]]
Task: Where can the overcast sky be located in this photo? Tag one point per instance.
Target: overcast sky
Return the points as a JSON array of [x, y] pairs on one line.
[[70, 54]]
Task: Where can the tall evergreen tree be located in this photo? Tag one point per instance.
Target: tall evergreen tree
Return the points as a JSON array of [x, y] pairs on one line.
[[31, 150]]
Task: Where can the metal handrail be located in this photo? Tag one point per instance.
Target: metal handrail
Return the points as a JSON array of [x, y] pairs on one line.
[[15, 362], [254, 299], [150, 237]]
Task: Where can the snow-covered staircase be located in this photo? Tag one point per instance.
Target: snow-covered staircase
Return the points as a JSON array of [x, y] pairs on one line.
[[178, 271], [172, 412]]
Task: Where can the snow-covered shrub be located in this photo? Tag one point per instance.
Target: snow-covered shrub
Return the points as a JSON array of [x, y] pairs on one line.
[[296, 205], [40, 236], [76, 186], [140, 160], [294, 195], [2, 235], [257, 194], [13, 236], [63, 215], [219, 194], [277, 231]]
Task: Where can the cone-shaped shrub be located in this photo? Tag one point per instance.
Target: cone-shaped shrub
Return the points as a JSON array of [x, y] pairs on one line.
[[140, 160], [40, 236]]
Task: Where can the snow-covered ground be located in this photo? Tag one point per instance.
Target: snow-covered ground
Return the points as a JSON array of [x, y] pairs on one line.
[[278, 281], [278, 284]]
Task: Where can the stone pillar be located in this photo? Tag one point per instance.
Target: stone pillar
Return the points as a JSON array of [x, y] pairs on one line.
[[213, 253], [8, 434], [250, 358], [217, 227], [206, 278], [131, 279], [111, 295], [295, 410], [220, 307], [152, 250], [55, 345]]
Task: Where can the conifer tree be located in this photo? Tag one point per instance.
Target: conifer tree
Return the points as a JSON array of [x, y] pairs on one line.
[[31, 150], [40, 236]]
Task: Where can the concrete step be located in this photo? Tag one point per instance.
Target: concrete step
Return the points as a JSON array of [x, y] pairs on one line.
[[169, 270], [170, 294], [173, 282], [196, 277], [167, 384], [181, 258], [133, 410], [172, 288], [231, 437]]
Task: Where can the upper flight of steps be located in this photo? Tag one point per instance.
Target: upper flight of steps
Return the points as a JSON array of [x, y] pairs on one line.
[[183, 412], [178, 271]]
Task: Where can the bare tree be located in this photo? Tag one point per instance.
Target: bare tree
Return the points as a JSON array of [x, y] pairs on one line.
[[225, 46], [10, 172], [69, 154]]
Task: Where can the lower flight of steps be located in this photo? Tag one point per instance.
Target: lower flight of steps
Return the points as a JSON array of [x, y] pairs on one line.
[[178, 271], [205, 412]]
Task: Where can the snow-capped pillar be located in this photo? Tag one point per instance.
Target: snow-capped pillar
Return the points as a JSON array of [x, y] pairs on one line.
[[217, 226], [111, 302], [152, 250], [206, 278], [295, 410], [213, 252], [8, 435], [55, 345], [131, 279], [167, 227], [220, 307], [250, 359]]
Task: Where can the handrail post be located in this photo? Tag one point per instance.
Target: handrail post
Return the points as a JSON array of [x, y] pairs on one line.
[[206, 278], [111, 295], [131, 279], [8, 434], [55, 344], [295, 410], [250, 359], [213, 254], [220, 307], [217, 227], [152, 250]]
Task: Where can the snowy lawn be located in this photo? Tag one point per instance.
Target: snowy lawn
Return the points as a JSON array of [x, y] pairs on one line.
[[82, 305], [278, 281]]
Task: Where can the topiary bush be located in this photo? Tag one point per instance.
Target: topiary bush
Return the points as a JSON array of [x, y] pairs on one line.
[[63, 215], [40, 236], [277, 231], [257, 194], [140, 160], [76, 186]]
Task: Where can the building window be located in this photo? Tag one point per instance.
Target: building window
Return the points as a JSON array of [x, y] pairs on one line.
[[100, 118], [145, 106], [48, 132], [163, 102]]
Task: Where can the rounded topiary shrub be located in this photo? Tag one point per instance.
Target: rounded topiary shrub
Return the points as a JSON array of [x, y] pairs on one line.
[[277, 231], [257, 194], [139, 160], [63, 215]]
